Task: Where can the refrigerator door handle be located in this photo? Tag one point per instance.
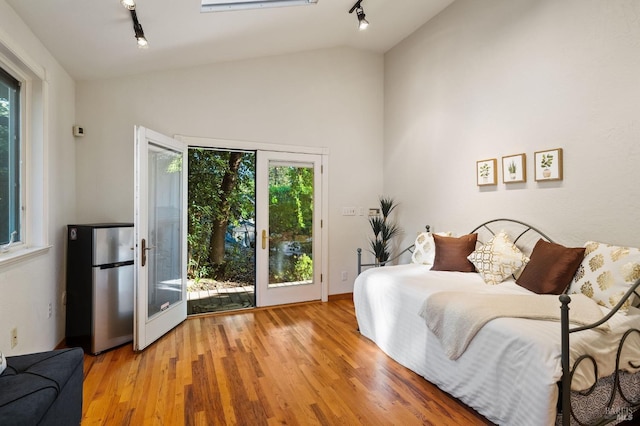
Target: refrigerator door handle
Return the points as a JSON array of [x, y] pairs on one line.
[[144, 252]]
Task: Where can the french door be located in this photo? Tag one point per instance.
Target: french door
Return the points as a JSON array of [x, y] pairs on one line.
[[160, 235], [289, 227]]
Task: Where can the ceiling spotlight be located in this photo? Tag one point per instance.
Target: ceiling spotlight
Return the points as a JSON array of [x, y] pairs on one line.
[[129, 4], [362, 23], [142, 42], [137, 29]]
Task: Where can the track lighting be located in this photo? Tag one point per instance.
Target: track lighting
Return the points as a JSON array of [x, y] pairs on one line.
[[129, 4], [362, 23], [137, 28]]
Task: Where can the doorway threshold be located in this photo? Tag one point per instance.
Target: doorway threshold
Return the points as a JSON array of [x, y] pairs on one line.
[[220, 300]]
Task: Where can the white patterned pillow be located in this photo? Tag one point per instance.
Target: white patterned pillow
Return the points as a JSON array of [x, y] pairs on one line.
[[498, 259], [606, 273], [424, 251], [3, 362]]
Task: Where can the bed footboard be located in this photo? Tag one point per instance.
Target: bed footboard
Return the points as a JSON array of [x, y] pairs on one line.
[[620, 405]]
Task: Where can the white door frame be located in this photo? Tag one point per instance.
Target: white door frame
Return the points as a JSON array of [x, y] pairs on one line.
[[193, 141]]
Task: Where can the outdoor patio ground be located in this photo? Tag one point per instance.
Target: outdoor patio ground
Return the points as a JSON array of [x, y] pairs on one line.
[[220, 299]]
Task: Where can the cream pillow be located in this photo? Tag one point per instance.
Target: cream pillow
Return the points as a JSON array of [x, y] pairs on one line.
[[498, 259], [606, 273], [3, 362], [424, 251]]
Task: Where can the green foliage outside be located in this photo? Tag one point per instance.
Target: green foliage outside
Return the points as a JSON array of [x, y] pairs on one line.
[[290, 223], [303, 269], [4, 165], [290, 218], [290, 201], [9, 182], [207, 169]]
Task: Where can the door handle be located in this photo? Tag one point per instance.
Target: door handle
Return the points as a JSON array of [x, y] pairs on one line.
[[143, 254], [264, 239]]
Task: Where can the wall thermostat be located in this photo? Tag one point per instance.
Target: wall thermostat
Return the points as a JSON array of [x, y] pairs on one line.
[[78, 131]]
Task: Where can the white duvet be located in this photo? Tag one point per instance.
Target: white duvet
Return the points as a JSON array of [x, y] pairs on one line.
[[509, 370]]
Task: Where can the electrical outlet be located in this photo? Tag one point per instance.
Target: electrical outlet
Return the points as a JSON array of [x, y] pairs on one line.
[[14, 337], [50, 310], [344, 275]]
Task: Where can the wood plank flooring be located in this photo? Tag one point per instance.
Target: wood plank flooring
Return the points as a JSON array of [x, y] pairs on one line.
[[295, 365]]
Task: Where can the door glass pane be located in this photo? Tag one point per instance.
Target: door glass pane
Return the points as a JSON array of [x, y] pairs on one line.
[[164, 254], [290, 223], [222, 234]]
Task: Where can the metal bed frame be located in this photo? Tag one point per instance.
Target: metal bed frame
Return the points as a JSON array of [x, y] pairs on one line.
[[611, 413], [390, 260]]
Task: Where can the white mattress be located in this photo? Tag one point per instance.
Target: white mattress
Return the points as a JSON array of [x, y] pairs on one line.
[[509, 371]]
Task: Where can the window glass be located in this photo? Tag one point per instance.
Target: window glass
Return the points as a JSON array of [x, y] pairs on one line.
[[9, 158]]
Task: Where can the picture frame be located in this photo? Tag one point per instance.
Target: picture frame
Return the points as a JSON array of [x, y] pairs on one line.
[[548, 165], [514, 168], [486, 172]]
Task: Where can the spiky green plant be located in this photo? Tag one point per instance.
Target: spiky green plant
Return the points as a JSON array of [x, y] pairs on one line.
[[384, 229], [389, 231], [377, 225], [386, 206]]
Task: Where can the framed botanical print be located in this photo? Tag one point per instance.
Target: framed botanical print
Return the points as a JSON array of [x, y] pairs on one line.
[[486, 172], [514, 168], [548, 165]]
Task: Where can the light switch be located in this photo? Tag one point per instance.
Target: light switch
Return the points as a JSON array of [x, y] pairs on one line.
[[348, 211]]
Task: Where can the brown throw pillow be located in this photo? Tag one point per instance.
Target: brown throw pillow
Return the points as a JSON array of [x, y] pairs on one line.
[[451, 253], [551, 268]]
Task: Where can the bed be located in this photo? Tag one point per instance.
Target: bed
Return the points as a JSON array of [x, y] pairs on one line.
[[569, 368]]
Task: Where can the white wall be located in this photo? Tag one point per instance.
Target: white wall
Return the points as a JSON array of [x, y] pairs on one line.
[[499, 77], [327, 98], [27, 287]]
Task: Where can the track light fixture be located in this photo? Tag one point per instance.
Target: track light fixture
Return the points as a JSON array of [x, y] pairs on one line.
[[129, 4], [137, 28], [362, 23]]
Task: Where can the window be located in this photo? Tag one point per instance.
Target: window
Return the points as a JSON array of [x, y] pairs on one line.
[[23, 155], [9, 159]]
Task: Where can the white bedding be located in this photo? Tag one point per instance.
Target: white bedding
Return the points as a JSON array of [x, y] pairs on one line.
[[455, 317], [509, 370]]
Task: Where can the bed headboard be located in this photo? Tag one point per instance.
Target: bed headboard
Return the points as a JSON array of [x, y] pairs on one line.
[[522, 234]]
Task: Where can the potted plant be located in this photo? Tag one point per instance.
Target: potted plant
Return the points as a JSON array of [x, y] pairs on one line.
[[512, 170], [384, 229], [546, 162]]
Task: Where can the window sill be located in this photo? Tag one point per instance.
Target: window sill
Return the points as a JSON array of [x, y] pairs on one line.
[[19, 255]]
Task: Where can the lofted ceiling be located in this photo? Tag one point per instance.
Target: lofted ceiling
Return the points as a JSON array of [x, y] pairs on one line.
[[94, 39]]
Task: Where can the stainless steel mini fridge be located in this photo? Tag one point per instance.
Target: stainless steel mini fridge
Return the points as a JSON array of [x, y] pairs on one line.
[[100, 276]]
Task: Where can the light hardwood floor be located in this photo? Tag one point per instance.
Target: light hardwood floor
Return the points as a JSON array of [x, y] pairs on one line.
[[295, 365]]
